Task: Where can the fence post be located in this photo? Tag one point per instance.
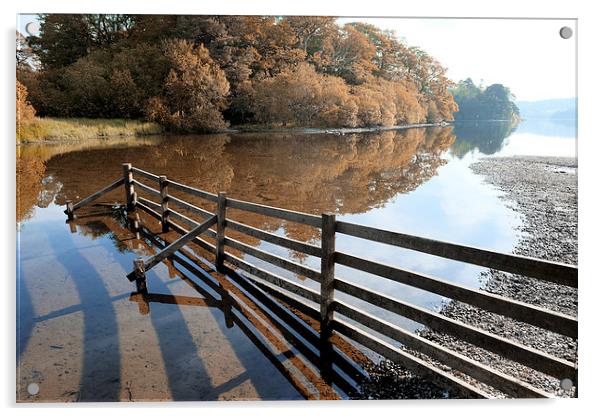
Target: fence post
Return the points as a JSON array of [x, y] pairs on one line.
[[140, 275], [70, 210], [164, 203], [130, 194], [327, 292], [142, 301], [221, 228], [226, 304]]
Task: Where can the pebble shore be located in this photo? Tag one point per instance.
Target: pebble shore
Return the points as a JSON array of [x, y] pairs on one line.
[[543, 190]]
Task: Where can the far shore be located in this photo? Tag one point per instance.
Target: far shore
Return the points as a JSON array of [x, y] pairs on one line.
[[332, 130], [64, 130]]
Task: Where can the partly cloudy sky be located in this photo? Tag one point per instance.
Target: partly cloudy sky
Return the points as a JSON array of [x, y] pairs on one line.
[[529, 56]]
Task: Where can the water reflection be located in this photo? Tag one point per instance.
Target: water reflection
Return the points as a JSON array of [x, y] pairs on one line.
[[36, 187], [549, 127], [310, 173], [485, 137], [542, 138], [287, 340], [359, 176], [532, 137], [416, 181], [82, 347], [351, 174]]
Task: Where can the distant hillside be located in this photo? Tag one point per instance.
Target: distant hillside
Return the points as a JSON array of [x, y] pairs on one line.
[[561, 108]]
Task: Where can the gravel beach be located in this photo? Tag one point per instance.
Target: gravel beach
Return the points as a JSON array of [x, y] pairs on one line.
[[543, 191]]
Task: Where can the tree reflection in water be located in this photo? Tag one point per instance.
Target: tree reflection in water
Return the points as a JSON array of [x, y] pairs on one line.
[[312, 173]]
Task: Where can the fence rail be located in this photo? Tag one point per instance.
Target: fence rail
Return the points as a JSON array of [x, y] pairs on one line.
[[145, 174], [275, 239], [285, 214], [192, 191], [553, 321], [71, 208], [540, 269], [323, 304], [505, 383]]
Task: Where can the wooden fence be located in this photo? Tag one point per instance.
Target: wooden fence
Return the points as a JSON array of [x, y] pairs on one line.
[[323, 304], [269, 324]]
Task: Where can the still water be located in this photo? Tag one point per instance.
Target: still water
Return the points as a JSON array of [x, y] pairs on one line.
[[82, 335]]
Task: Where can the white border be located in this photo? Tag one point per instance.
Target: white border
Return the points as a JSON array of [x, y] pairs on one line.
[[589, 144]]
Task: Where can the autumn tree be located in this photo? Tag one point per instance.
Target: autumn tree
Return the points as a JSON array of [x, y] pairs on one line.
[[237, 55], [408, 109], [389, 51], [25, 111], [194, 93], [374, 109], [346, 53], [238, 69], [310, 32], [109, 82], [303, 97]]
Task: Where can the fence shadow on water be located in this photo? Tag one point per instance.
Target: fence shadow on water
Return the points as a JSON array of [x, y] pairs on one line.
[[275, 347], [289, 340]]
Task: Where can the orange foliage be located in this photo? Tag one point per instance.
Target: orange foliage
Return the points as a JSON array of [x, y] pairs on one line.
[[305, 98], [192, 73], [25, 111], [195, 90], [346, 53]]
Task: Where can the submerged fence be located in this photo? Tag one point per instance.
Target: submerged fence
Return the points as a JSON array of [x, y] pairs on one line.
[[322, 305]]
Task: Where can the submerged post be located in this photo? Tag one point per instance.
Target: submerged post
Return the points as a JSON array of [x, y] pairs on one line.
[[69, 210], [164, 203], [221, 228], [137, 226], [140, 275], [327, 291], [128, 183], [226, 306], [142, 301]]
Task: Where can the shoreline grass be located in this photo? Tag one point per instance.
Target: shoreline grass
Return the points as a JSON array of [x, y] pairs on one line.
[[77, 129], [56, 130]]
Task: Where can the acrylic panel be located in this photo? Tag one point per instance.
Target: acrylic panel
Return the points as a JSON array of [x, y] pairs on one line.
[[292, 207]]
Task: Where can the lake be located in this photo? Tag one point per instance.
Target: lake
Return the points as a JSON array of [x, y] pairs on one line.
[[82, 335]]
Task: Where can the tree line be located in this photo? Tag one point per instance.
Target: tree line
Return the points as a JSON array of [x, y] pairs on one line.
[[495, 102], [203, 73]]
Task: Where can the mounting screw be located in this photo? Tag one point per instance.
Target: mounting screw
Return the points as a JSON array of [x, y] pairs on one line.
[[33, 389], [566, 32], [566, 384]]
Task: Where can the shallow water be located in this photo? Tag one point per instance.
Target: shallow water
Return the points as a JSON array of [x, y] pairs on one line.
[[82, 335]]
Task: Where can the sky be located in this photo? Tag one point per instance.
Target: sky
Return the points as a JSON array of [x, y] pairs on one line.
[[528, 56]]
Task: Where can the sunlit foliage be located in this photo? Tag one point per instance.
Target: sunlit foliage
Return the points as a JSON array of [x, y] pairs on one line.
[[195, 90], [199, 73], [24, 109]]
